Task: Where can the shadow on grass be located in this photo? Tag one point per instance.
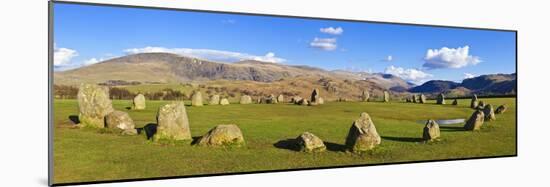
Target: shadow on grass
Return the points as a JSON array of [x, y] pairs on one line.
[[150, 129], [335, 147], [451, 129], [195, 140], [403, 139], [290, 144], [128, 108], [74, 119]]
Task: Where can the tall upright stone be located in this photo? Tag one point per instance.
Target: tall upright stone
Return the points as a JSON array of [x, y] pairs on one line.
[[172, 122], [224, 101], [362, 135], [281, 98], [474, 102], [386, 96], [139, 102], [314, 97], [422, 98], [475, 121], [441, 99], [245, 99], [489, 113], [196, 99], [431, 130], [93, 105], [214, 100], [365, 96], [414, 98]]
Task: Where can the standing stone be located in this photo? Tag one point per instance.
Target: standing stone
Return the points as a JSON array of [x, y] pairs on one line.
[[222, 135], [93, 104], [414, 98], [172, 122], [474, 102], [441, 99], [245, 99], [408, 100], [489, 113], [224, 101], [196, 99], [121, 121], [386, 96], [309, 143], [314, 97], [431, 130], [303, 102], [501, 109], [481, 105], [295, 99], [321, 101], [214, 100], [362, 135], [365, 96], [455, 102], [475, 121], [139, 102], [281, 98], [271, 99], [422, 98]]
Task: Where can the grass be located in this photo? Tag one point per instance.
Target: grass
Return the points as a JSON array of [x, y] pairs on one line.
[[88, 155]]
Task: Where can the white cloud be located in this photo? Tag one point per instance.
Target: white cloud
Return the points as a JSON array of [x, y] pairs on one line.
[[63, 56], [92, 61], [332, 30], [389, 58], [412, 75], [327, 44], [469, 75], [209, 54], [449, 58]]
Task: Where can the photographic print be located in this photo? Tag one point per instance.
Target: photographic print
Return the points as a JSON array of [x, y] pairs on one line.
[[148, 93]]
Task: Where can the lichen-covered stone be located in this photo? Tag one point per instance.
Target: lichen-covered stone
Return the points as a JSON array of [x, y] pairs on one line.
[[245, 99], [501, 109], [121, 121], [214, 100], [281, 98], [386, 96], [365, 96], [308, 142], [139, 102], [314, 97], [441, 99], [474, 102], [172, 122], [222, 135], [475, 121], [362, 135], [422, 98], [431, 130], [489, 113], [224, 101], [93, 104], [196, 99]]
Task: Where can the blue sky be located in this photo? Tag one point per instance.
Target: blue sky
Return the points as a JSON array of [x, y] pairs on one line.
[[84, 35]]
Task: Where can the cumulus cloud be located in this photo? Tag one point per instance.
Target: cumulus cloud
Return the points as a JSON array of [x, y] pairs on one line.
[[63, 56], [411, 75], [327, 44], [93, 61], [469, 75], [332, 30], [449, 58], [388, 58], [209, 54]]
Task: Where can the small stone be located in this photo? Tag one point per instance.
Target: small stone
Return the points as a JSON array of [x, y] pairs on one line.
[[501, 109], [308, 142], [222, 135], [431, 131], [489, 113], [196, 99], [214, 100], [245, 99], [139, 102], [455, 102], [224, 101], [441, 99], [121, 121]]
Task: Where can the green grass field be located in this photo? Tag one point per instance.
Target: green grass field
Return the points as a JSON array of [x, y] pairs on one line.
[[88, 155]]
